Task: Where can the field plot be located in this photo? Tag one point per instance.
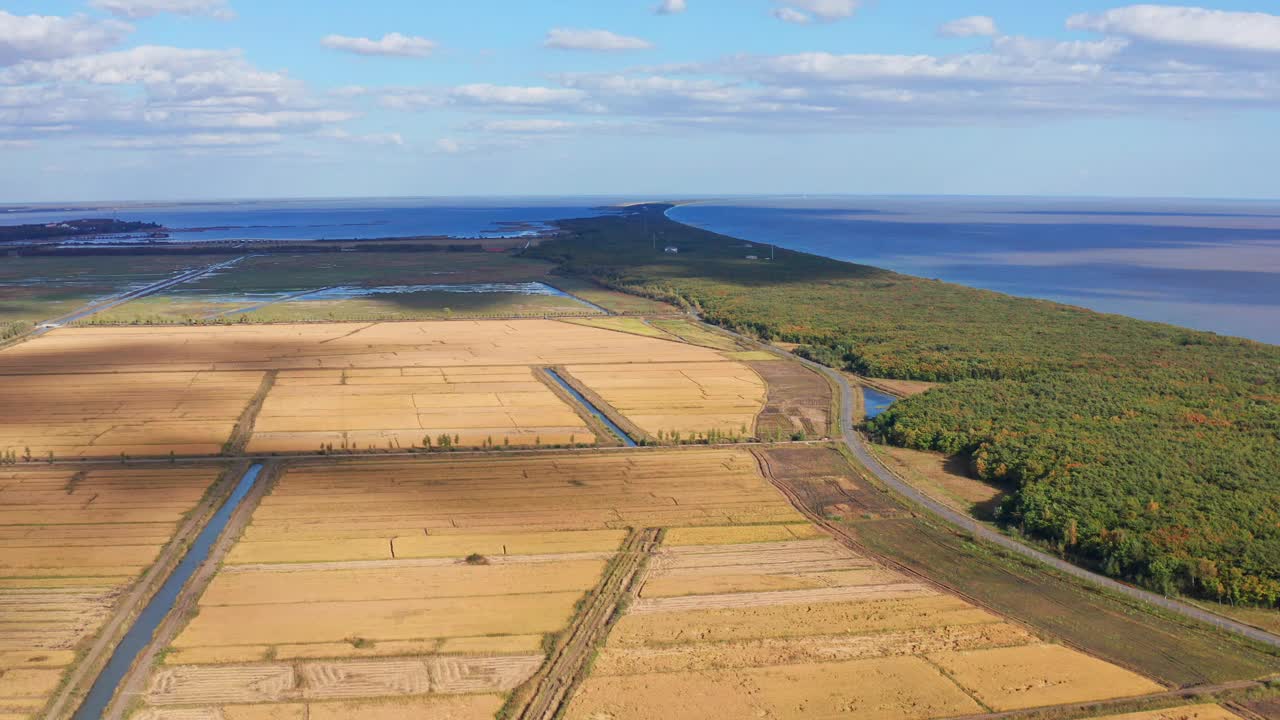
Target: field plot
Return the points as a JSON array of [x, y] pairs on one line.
[[351, 585], [152, 391], [399, 408], [71, 543], [780, 621], [103, 415], [365, 286], [680, 398]]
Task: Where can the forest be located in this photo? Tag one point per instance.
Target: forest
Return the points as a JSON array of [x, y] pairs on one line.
[[1147, 451], [72, 228]]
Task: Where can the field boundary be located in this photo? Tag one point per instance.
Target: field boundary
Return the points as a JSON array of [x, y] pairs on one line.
[[242, 433], [76, 684], [187, 600], [553, 685]]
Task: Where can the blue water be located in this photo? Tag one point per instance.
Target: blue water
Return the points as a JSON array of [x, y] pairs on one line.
[[1210, 265], [104, 688], [876, 402], [327, 219], [622, 435]]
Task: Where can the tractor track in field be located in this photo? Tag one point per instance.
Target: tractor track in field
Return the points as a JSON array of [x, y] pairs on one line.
[[551, 688]]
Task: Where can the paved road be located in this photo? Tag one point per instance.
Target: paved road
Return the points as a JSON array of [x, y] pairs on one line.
[[857, 445]]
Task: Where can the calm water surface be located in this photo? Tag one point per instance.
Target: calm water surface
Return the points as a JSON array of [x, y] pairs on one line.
[[1210, 265]]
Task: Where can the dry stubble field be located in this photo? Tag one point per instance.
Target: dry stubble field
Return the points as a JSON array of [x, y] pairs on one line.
[[98, 392], [71, 544], [780, 621], [349, 596]]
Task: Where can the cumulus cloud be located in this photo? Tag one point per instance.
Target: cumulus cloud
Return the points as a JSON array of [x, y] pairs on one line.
[[392, 44], [516, 96], [47, 37], [671, 7], [973, 26], [806, 11], [1187, 26], [172, 97], [141, 9], [593, 40]]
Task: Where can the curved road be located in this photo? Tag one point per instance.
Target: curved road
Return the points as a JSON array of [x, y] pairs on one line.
[[857, 445]]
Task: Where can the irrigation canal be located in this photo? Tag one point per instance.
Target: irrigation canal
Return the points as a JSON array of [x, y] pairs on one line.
[[139, 636]]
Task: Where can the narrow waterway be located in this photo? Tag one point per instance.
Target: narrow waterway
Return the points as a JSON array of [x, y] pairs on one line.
[[104, 688], [622, 435], [876, 402]]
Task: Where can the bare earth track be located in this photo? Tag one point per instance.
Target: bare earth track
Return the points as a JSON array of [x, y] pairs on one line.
[[552, 686]]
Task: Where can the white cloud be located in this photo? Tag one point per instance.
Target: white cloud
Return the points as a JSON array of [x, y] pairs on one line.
[[671, 7], [392, 44], [485, 94], [1187, 26], [48, 37], [791, 15], [140, 9], [803, 11], [195, 140], [973, 26], [593, 40]]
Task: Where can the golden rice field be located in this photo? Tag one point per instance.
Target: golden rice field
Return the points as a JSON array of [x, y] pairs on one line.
[[103, 415], [399, 407], [71, 544], [99, 392], [778, 620], [349, 593], [685, 398]]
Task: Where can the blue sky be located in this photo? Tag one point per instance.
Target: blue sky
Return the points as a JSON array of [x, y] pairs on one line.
[[166, 99]]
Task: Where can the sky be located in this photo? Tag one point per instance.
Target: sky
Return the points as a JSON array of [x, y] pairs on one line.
[[185, 99]]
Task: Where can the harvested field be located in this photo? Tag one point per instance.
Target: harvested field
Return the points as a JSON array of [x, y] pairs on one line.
[[888, 688], [71, 544], [151, 413], [339, 346], [350, 387], [683, 398], [798, 402], [461, 707], [397, 409], [1038, 675], [754, 621], [351, 582]]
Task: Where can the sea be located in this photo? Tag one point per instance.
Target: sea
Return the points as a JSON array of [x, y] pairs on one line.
[[1205, 264], [355, 219]]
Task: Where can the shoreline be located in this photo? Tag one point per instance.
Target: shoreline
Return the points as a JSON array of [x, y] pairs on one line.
[[1067, 299]]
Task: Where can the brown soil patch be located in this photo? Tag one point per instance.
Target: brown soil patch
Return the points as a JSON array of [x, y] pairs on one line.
[[799, 401], [1190, 712], [822, 479]]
